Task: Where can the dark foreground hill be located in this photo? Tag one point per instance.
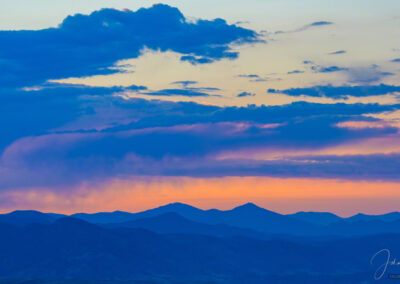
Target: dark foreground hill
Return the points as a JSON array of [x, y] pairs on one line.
[[71, 249]]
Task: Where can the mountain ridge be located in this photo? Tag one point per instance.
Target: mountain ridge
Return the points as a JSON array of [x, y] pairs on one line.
[[248, 218], [75, 249]]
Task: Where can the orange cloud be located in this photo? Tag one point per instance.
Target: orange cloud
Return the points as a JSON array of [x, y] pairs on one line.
[[368, 124]]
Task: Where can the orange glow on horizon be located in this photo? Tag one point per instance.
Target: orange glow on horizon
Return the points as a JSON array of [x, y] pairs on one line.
[[282, 195]]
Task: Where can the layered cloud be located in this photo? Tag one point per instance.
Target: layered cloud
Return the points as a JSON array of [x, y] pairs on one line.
[[59, 134], [340, 92], [99, 134]]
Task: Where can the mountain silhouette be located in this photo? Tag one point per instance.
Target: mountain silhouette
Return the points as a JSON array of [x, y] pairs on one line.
[[105, 217], [362, 228], [25, 217], [318, 218], [243, 213], [71, 249], [173, 223], [246, 220], [389, 217], [248, 216]]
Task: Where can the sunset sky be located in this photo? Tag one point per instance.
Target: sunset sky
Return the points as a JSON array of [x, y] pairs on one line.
[[128, 105]]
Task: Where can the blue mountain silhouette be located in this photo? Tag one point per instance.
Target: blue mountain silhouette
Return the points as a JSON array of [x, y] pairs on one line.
[[71, 249], [25, 217], [318, 218], [245, 220], [173, 223]]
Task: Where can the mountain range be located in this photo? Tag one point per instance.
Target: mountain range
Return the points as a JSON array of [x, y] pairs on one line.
[[71, 249], [244, 220], [178, 243]]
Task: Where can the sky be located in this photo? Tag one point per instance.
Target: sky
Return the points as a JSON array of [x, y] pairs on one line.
[[128, 105]]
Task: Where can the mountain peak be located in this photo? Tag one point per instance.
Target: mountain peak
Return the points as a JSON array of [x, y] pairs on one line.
[[25, 212], [248, 205], [252, 209], [25, 217], [177, 206]]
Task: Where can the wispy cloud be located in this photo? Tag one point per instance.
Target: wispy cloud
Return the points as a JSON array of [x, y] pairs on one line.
[[338, 52], [340, 92], [306, 27]]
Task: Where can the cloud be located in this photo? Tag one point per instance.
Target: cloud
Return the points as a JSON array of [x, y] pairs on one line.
[[110, 136], [366, 75], [251, 76], [338, 52], [362, 75], [191, 92], [327, 69], [320, 23], [266, 79], [350, 167], [184, 83], [194, 60], [340, 92], [295, 72], [323, 69], [85, 45], [60, 134], [306, 27], [245, 94], [70, 159], [168, 114], [185, 90], [257, 78], [38, 111]]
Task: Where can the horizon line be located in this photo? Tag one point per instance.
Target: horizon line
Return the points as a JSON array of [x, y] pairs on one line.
[[199, 208]]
